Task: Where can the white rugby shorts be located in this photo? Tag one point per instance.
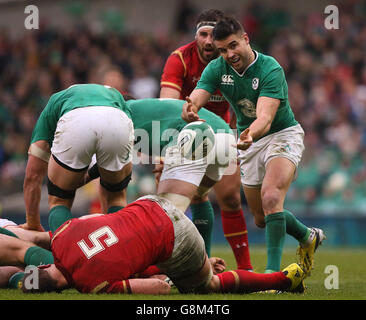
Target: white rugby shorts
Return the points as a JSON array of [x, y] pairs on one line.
[[214, 166], [106, 132], [6, 223], [287, 143]]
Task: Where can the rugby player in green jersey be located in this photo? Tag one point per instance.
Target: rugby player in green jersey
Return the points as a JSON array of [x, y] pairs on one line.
[[270, 142], [76, 123], [190, 167], [187, 172]]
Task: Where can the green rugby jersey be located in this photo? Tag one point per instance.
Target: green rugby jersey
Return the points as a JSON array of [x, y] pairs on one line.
[[263, 77], [76, 96], [159, 121]]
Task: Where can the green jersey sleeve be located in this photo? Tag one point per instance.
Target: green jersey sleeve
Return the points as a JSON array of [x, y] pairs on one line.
[[274, 85], [46, 123]]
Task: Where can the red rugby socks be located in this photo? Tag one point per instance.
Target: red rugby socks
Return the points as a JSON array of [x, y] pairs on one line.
[[242, 281], [235, 231]]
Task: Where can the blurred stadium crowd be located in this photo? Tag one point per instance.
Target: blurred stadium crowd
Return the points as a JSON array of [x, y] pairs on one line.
[[325, 69]]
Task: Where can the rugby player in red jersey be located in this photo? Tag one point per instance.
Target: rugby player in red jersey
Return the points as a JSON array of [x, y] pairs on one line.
[[181, 73], [102, 254]]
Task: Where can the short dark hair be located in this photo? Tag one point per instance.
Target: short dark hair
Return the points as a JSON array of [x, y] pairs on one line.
[[45, 283], [210, 15], [226, 27]]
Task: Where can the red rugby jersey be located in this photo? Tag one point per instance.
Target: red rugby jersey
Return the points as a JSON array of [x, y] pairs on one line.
[[182, 71], [98, 253]]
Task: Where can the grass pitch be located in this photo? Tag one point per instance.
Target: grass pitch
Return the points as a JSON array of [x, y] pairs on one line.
[[349, 262]]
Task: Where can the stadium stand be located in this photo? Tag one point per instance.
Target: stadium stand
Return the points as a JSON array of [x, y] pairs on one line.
[[325, 69]]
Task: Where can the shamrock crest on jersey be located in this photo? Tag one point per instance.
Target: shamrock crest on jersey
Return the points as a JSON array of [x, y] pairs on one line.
[[255, 83], [248, 108]]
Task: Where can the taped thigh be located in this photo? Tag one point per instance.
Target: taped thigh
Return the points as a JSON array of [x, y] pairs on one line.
[[54, 190]]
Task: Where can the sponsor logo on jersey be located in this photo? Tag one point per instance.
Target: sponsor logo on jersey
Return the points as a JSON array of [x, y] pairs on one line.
[[227, 79], [255, 83], [216, 98], [248, 108]]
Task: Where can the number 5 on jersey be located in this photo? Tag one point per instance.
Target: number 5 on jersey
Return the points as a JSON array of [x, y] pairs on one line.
[[97, 245]]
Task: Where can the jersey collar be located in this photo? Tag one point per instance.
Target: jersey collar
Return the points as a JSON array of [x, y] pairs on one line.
[[242, 74]]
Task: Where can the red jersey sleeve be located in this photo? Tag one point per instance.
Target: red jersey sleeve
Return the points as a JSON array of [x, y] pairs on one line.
[[174, 72]]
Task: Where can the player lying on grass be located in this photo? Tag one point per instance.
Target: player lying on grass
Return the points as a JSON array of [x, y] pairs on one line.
[[10, 275], [41, 239], [102, 253]]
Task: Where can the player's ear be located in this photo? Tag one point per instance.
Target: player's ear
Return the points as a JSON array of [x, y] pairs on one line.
[[245, 37]]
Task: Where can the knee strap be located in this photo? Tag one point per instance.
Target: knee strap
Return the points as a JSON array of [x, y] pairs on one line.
[[202, 191], [116, 187], [93, 172], [56, 191]]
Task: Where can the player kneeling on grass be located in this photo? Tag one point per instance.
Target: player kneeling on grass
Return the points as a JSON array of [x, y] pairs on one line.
[[102, 253]]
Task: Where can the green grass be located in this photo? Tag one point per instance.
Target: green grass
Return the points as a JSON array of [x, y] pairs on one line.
[[350, 262]]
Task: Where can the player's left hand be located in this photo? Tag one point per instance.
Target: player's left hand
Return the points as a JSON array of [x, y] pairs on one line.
[[190, 112], [26, 226], [245, 140], [218, 265]]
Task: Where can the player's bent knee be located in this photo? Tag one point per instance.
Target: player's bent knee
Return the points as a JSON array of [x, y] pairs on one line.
[[259, 222], [231, 202], [270, 199], [198, 199], [202, 193], [116, 187], [54, 190]]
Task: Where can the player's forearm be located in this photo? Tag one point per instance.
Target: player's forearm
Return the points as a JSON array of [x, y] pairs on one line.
[[139, 286], [199, 98], [260, 127], [32, 197], [266, 112], [32, 189]]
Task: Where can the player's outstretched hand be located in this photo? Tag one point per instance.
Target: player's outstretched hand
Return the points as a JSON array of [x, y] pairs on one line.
[[26, 226], [190, 111], [218, 265], [245, 140]]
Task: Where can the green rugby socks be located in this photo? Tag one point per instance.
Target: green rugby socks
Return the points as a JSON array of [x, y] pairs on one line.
[[15, 280], [277, 225], [38, 256], [295, 228], [275, 234], [203, 217], [57, 216]]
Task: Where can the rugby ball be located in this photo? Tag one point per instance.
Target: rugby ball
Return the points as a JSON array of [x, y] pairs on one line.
[[196, 140]]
